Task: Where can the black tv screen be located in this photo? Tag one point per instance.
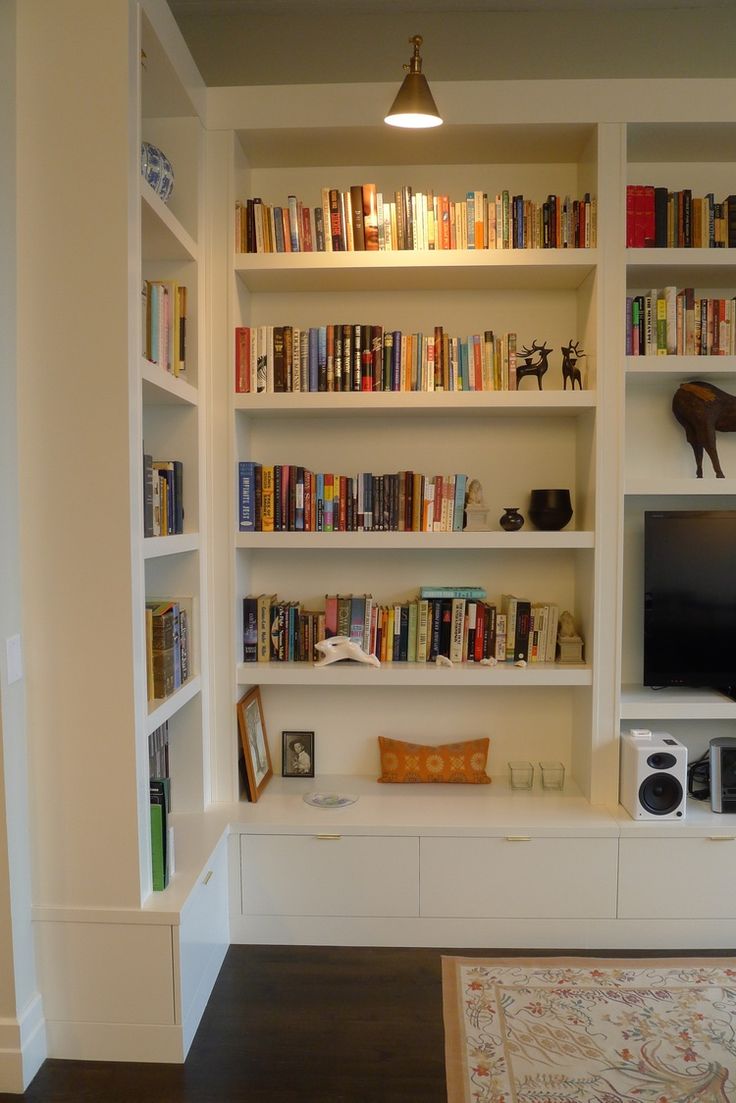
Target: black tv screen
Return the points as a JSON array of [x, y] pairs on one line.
[[690, 598]]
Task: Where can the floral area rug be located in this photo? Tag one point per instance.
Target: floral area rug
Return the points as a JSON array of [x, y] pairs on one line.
[[590, 1030]]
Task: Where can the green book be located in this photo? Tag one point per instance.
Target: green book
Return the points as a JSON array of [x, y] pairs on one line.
[[158, 846]]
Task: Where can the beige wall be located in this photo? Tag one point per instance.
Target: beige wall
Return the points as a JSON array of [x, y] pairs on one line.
[[329, 46], [17, 974]]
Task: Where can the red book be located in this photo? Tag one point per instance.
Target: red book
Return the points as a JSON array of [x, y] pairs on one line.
[[370, 217], [480, 621], [307, 245]]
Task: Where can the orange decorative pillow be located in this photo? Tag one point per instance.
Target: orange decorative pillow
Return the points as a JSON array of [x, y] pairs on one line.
[[463, 763]]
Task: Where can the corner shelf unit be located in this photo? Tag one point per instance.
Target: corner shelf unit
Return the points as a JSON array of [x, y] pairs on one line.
[[659, 470]]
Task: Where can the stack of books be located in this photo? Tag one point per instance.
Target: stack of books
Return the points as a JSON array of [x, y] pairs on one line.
[[289, 498], [357, 357], [458, 623], [361, 218]]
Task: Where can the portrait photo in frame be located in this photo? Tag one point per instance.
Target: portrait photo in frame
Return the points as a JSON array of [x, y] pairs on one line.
[[254, 742], [297, 754]]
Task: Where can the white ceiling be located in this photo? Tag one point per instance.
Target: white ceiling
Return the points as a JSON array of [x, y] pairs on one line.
[[395, 7]]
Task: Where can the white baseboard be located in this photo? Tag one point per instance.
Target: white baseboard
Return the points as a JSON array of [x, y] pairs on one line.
[[149, 1042], [580, 934], [22, 1047], [196, 1008]]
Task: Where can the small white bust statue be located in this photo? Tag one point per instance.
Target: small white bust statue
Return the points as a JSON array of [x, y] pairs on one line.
[[342, 647], [476, 512]]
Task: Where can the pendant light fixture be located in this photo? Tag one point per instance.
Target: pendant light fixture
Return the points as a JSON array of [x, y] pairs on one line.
[[414, 107]]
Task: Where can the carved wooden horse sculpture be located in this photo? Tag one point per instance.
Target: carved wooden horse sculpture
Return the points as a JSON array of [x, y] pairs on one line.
[[538, 368], [702, 409], [570, 355]]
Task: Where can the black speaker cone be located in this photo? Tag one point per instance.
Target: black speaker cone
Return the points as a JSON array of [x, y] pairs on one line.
[[660, 794]]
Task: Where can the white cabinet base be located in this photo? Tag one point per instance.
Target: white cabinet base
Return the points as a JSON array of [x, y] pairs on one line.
[[589, 935]]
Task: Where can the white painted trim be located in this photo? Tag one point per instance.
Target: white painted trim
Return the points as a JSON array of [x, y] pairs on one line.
[[582, 934], [196, 1008], [148, 1042], [22, 1047]]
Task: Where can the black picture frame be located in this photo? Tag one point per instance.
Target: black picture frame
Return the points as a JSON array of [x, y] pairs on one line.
[[293, 761]]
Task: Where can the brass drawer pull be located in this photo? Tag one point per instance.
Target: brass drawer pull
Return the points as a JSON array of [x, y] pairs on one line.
[[518, 838], [328, 836], [721, 838], [207, 877]]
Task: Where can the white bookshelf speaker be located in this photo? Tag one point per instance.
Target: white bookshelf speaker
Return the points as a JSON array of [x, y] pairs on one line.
[[653, 782]]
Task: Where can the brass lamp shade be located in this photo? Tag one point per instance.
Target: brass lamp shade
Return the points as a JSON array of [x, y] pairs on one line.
[[414, 106]]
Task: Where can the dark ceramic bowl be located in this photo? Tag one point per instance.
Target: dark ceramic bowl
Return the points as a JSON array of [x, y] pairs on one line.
[[550, 510]]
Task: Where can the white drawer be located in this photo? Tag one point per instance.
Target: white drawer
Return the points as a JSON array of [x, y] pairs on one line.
[[687, 878], [517, 877], [329, 875], [204, 932]]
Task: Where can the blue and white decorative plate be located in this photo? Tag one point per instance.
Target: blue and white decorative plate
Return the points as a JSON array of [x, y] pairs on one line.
[[157, 171]]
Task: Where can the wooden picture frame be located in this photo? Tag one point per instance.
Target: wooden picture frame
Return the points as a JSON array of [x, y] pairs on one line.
[[297, 754], [254, 742]]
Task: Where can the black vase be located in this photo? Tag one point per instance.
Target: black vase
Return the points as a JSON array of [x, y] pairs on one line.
[[550, 510], [511, 521]]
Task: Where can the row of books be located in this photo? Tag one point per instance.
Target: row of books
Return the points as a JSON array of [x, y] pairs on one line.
[[668, 322], [163, 496], [361, 218], [158, 751], [162, 843], [287, 498], [457, 623], [164, 305], [356, 357], [659, 218], [168, 645]]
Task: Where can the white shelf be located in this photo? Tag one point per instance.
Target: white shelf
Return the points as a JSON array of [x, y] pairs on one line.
[[463, 403], [155, 546], [424, 675], [163, 236], [161, 388], [159, 711], [675, 703], [461, 541], [649, 369], [404, 270], [432, 809], [696, 487], [699, 268], [700, 821]]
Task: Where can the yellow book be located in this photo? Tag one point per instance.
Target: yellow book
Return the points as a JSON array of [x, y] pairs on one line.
[[267, 499]]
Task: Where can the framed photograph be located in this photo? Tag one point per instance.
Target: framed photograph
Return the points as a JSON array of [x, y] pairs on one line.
[[297, 754], [254, 742]]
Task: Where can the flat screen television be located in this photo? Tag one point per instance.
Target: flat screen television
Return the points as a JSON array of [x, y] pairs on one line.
[[690, 599]]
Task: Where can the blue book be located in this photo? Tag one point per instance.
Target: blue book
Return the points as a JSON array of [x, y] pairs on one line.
[[313, 358], [461, 482], [396, 363], [471, 592], [321, 358], [248, 502]]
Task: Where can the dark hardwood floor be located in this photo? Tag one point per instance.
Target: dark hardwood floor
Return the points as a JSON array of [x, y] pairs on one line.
[[288, 1024], [294, 1025]]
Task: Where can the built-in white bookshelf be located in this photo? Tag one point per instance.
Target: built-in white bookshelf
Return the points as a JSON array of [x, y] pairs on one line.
[[659, 465]]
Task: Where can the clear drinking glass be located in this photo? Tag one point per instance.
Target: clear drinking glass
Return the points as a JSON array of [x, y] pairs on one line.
[[553, 775], [521, 775]]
